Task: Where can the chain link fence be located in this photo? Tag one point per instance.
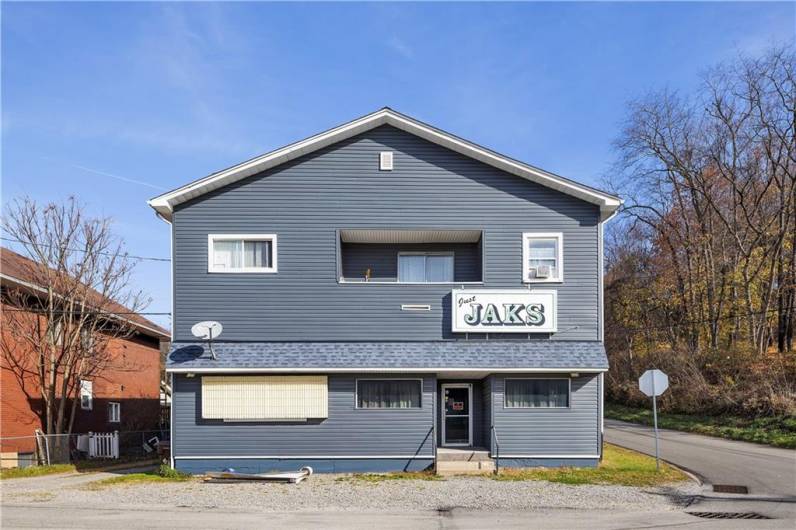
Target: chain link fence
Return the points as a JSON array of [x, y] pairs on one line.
[[46, 449]]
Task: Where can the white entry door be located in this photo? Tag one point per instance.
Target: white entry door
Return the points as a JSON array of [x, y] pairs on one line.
[[457, 424]]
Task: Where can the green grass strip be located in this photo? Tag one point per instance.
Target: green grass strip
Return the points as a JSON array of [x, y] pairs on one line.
[[777, 431]]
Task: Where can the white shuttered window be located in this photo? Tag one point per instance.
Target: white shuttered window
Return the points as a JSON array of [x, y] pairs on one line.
[[264, 398]]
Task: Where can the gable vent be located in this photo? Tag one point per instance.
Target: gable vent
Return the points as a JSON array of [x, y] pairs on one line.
[[385, 161]]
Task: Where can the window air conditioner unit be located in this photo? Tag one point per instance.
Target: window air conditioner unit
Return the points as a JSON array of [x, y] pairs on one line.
[[543, 271]]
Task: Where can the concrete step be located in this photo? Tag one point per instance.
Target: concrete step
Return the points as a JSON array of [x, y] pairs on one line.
[[460, 467], [445, 454]]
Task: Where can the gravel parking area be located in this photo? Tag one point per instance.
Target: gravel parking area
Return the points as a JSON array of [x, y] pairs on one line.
[[340, 493]]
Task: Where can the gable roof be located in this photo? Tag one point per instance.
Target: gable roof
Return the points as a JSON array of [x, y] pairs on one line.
[[165, 203], [17, 270]]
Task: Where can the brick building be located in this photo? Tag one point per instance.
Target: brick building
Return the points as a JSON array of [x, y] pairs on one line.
[[125, 396]]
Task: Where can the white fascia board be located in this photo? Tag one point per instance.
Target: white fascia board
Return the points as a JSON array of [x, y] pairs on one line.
[[302, 457], [541, 457], [354, 369], [165, 203]]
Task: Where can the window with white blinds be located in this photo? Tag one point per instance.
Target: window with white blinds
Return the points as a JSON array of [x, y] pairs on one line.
[[264, 398], [241, 253]]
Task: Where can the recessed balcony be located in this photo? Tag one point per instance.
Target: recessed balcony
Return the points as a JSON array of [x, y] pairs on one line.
[[428, 256]]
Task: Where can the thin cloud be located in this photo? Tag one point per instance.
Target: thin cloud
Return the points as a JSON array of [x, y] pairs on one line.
[[117, 177], [401, 47]]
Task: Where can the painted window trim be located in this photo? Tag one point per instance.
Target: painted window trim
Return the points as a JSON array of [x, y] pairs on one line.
[[526, 236], [356, 393], [212, 238], [118, 407], [422, 253], [569, 392]]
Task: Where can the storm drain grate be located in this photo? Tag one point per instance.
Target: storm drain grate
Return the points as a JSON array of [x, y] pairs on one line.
[[729, 488], [728, 515]]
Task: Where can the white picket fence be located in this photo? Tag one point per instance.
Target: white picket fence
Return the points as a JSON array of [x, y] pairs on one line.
[[103, 444]]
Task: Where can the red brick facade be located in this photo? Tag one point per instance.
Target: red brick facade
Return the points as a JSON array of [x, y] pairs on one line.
[[131, 379]]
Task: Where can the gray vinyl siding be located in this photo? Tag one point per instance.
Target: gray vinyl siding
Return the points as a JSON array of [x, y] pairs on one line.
[[383, 260], [553, 431], [347, 431], [307, 200], [486, 385]]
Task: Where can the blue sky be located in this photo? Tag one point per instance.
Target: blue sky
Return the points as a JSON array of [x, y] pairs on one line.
[[115, 102]]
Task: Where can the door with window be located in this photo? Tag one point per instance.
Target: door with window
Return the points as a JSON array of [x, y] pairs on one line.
[[457, 428]]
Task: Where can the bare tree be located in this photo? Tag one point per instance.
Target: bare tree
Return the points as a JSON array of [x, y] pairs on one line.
[[713, 178], [78, 298]]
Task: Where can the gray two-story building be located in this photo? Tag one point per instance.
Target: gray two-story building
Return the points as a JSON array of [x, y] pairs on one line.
[[388, 292]]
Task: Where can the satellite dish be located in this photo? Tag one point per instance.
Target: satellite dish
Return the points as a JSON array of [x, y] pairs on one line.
[[207, 330]]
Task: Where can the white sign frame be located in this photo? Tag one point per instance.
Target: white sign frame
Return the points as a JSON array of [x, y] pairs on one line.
[[548, 297]]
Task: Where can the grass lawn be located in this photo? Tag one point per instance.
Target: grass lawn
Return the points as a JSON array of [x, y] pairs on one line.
[[35, 471], [621, 467], [776, 431], [83, 465], [164, 474]]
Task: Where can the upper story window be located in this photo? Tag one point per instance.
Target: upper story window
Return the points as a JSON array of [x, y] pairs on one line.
[[114, 412], [86, 395], [420, 267], [241, 252], [542, 259]]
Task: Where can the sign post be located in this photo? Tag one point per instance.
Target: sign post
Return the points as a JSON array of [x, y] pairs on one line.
[[653, 383]]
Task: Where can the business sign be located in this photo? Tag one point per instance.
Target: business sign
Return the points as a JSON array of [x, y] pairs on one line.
[[505, 311]]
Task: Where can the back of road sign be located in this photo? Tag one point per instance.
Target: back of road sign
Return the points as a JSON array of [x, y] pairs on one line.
[[653, 383]]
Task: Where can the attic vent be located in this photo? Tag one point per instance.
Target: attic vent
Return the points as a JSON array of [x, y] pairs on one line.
[[385, 161]]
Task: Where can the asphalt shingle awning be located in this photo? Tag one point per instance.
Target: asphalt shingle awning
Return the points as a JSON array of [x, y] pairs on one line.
[[491, 355]]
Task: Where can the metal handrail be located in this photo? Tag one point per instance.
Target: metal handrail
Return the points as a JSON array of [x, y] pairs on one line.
[[497, 449]]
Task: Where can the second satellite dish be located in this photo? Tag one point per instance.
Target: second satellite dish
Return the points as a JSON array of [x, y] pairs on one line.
[[207, 330]]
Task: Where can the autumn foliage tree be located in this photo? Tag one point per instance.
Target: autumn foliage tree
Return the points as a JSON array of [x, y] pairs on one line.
[[701, 270]]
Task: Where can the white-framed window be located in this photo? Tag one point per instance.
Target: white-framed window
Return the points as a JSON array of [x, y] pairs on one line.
[[389, 393], [542, 257], [86, 395], [425, 267], [535, 393], [114, 412], [241, 253]]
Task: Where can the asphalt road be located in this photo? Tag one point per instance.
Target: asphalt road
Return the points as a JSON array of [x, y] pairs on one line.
[[766, 471], [14, 516]]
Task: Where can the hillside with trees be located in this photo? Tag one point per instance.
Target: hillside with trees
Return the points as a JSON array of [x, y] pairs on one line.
[[701, 263]]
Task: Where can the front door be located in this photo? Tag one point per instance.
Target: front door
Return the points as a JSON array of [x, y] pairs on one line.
[[456, 417]]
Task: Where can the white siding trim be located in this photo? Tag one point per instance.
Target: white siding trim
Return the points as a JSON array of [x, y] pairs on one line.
[[172, 445], [301, 457], [600, 282], [354, 370], [546, 456]]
